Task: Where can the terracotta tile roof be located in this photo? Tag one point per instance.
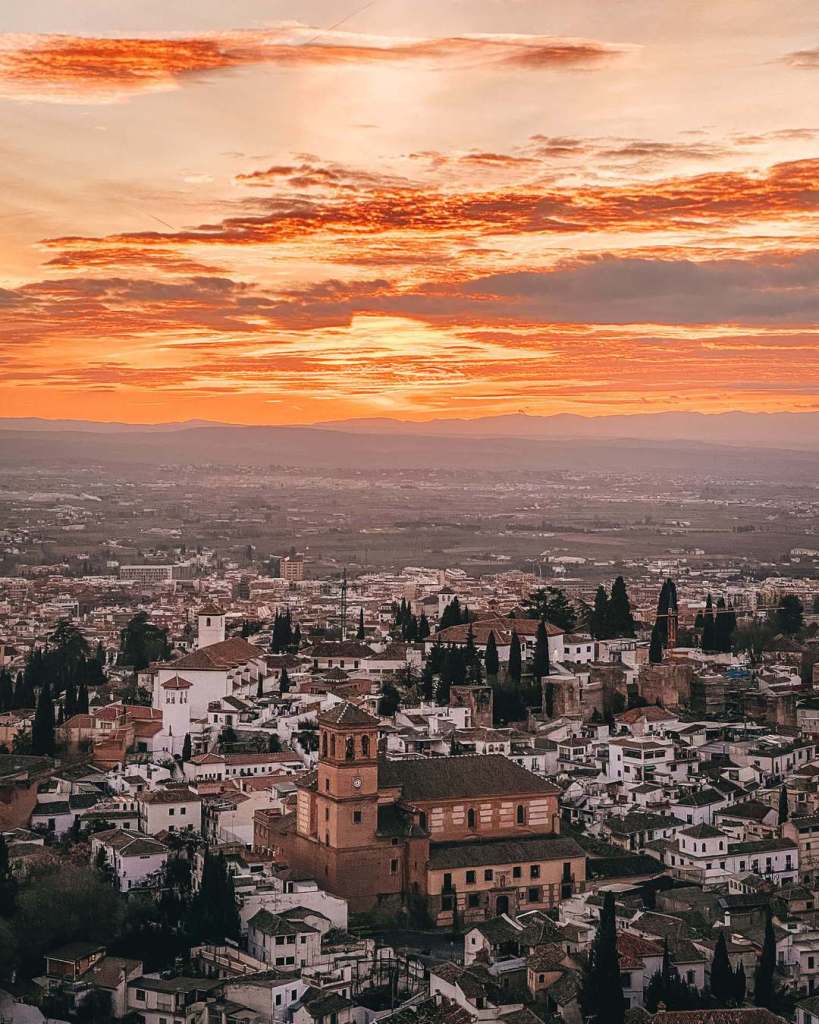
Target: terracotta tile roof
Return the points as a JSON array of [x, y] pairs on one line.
[[176, 683], [347, 714], [217, 657], [461, 777], [503, 851]]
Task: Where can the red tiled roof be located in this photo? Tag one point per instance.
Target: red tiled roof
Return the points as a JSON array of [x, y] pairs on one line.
[[176, 683], [218, 657]]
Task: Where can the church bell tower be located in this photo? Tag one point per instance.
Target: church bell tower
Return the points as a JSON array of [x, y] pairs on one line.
[[347, 783]]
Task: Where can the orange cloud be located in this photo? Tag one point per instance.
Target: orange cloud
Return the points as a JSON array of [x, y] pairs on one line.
[[105, 69]]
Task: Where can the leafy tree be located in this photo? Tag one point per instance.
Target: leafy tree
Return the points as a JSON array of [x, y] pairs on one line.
[[620, 621], [90, 910], [602, 992], [187, 748], [552, 604], [764, 986], [451, 615], [490, 658], [599, 617], [789, 616], [274, 744], [722, 976], [227, 738], [515, 666], [359, 635], [8, 949], [390, 700], [783, 804], [753, 638], [42, 727], [141, 642]]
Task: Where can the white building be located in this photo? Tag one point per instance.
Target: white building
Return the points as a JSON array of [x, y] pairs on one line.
[[135, 859]]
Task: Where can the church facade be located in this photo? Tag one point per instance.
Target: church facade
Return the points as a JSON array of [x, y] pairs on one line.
[[472, 835]]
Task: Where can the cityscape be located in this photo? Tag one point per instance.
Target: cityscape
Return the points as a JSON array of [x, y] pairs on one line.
[[409, 512]]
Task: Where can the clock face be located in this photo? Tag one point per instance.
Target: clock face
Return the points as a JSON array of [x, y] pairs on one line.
[[357, 783]]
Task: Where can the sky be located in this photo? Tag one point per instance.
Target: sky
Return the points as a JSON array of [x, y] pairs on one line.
[[268, 211]]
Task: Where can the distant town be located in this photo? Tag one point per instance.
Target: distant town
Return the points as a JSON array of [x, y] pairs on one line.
[[241, 787]]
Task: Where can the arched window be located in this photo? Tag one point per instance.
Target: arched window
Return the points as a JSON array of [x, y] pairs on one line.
[[470, 818], [365, 746], [333, 745], [349, 749], [521, 814], [324, 745]]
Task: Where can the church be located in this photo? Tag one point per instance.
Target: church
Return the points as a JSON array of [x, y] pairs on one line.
[[473, 835]]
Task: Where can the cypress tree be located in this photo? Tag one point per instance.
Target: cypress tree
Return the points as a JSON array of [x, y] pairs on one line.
[[764, 989], [423, 627], [284, 681], [42, 727], [655, 648], [6, 691], [8, 886], [81, 707], [260, 688], [360, 631], [739, 985], [708, 629], [70, 701], [540, 661], [722, 977], [602, 994], [783, 804], [724, 626], [599, 618], [515, 667], [187, 748], [491, 660], [620, 619]]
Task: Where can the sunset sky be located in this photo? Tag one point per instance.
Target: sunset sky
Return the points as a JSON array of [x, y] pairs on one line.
[[268, 211]]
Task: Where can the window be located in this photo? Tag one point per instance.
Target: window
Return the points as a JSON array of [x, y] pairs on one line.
[[521, 814], [393, 867], [470, 878], [446, 903], [690, 977], [517, 872], [534, 871], [422, 820], [448, 880], [365, 746], [488, 875], [140, 995], [356, 817], [181, 810], [811, 962], [326, 813], [278, 999], [534, 895], [473, 899], [470, 818]]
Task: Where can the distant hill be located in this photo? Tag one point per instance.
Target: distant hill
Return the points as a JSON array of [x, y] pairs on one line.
[[782, 430], [314, 447], [767, 430]]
